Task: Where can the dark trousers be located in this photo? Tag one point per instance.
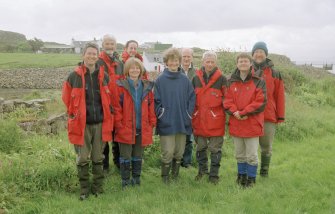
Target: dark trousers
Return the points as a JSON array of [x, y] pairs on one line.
[[116, 155], [187, 156]]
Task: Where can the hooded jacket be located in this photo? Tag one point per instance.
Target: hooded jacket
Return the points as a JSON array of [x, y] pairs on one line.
[[249, 98]]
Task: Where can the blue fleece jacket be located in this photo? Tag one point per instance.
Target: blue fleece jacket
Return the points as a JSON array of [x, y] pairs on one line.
[[136, 93], [174, 103]]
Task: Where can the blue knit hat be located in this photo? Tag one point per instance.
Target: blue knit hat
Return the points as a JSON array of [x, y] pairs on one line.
[[259, 45]]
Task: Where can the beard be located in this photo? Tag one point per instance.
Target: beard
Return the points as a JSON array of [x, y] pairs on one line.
[[109, 52]]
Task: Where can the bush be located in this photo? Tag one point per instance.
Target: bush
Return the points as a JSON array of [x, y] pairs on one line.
[[10, 137]]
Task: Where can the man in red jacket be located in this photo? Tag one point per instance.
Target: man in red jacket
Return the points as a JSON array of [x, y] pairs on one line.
[[209, 117], [86, 94], [275, 108], [109, 58]]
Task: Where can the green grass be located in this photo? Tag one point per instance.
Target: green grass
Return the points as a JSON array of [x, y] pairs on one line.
[[301, 181], [31, 60]]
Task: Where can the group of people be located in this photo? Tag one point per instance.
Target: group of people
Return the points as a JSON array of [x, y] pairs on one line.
[[113, 100]]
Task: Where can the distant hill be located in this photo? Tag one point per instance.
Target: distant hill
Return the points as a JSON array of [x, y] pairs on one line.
[[9, 41], [11, 38]]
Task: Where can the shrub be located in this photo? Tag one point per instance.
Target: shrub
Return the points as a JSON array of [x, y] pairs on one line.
[[10, 137]]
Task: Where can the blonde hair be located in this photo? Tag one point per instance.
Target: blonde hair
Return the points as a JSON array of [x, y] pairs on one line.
[[171, 53], [131, 62]]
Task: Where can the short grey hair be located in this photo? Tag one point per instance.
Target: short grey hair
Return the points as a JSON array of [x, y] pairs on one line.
[[187, 49], [209, 54], [108, 36]]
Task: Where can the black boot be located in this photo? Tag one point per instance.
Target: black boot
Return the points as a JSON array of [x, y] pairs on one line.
[[203, 164], [250, 182], [116, 154], [215, 166], [242, 179], [175, 169], [125, 172], [136, 171], [165, 172], [84, 181], [106, 159], [265, 164], [98, 178]]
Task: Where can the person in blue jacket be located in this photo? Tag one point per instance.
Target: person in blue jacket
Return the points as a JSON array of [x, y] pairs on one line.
[[174, 105]]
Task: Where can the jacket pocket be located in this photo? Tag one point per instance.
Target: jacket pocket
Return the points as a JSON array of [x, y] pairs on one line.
[[215, 118], [74, 126]]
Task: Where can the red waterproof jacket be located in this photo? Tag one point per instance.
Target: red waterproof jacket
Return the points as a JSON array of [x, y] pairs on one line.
[[249, 98], [209, 117], [114, 67], [73, 96], [125, 118], [126, 56], [275, 108]]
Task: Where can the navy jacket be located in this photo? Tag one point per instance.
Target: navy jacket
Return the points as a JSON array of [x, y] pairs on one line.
[[174, 103]]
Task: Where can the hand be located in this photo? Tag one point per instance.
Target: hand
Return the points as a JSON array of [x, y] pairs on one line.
[[244, 118], [237, 115]]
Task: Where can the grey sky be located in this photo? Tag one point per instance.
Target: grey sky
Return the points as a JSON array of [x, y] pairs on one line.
[[301, 29]]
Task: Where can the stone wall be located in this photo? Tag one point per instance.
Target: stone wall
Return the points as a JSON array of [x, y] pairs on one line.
[[33, 78], [39, 78], [52, 125]]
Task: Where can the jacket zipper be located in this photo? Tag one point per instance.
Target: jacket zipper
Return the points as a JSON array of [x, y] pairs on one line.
[[95, 118]]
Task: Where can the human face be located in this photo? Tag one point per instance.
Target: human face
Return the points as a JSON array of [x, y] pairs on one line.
[[259, 56], [90, 57], [132, 49], [243, 64], [173, 64], [134, 72], [209, 63], [109, 46], [187, 58]]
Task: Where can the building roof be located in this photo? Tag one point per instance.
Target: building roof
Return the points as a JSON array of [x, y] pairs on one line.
[[154, 57]]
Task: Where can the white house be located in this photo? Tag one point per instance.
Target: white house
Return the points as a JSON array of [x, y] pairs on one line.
[[79, 45], [153, 62]]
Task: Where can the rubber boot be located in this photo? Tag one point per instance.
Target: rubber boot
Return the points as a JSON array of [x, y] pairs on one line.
[[125, 172], [83, 176], [165, 172], [242, 174], [175, 169], [250, 182], [106, 159], [116, 154], [215, 166], [252, 172], [265, 164], [136, 171], [202, 164], [187, 156], [98, 178]]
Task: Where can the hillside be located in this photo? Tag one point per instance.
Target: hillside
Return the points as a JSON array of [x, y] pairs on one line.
[[11, 38]]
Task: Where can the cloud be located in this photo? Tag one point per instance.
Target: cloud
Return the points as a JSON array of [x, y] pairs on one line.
[[301, 28]]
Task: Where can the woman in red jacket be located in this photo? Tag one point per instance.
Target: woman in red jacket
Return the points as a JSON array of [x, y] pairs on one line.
[[134, 120], [245, 102], [130, 50], [274, 112]]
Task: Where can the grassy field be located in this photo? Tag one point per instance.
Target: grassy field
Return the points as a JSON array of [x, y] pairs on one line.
[[38, 174], [29, 60], [42, 179]]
